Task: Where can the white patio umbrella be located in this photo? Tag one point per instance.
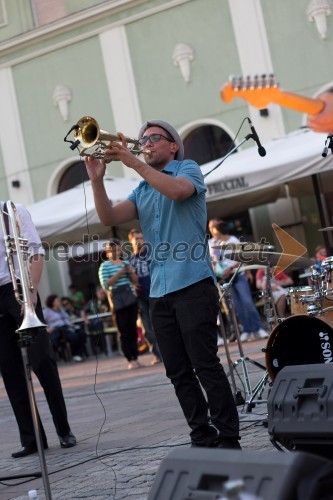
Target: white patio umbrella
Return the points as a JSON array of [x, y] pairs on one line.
[[71, 216], [246, 179]]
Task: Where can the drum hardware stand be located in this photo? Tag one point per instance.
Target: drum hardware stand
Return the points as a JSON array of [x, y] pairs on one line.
[[250, 393], [269, 302], [25, 339], [239, 400]]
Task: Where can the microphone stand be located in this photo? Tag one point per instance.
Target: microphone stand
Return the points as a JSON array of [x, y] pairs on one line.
[[25, 338], [246, 138], [226, 290]]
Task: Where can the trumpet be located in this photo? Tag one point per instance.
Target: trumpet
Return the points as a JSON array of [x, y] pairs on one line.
[[17, 245], [88, 135]]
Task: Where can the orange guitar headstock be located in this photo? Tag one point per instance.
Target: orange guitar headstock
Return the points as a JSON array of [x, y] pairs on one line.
[[259, 91]]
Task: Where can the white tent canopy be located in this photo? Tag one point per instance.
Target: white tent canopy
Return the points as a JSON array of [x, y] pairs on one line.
[[245, 179], [71, 216]]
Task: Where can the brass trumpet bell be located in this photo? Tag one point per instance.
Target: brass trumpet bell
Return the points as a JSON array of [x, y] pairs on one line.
[[88, 135]]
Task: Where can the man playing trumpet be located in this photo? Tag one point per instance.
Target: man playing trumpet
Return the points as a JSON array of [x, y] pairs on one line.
[[170, 203]]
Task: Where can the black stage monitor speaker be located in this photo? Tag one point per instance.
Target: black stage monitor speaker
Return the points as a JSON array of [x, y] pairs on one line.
[[300, 409], [207, 474]]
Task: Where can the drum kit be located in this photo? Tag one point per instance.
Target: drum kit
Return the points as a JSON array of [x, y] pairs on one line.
[[305, 337]]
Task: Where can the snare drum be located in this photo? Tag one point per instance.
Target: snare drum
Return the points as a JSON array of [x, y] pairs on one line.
[[327, 270], [299, 340], [295, 294]]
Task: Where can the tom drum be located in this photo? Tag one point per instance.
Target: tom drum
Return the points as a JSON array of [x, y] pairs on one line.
[[299, 340], [298, 307], [295, 294]]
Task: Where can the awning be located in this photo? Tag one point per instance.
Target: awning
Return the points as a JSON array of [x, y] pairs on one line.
[[246, 179], [71, 216]]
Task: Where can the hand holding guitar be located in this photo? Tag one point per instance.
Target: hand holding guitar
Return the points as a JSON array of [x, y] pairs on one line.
[[323, 121]]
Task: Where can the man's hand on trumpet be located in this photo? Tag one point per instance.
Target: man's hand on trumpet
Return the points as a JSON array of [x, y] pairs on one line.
[[95, 168], [120, 151]]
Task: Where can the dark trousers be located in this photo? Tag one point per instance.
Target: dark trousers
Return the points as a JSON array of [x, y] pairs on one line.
[[185, 326], [42, 362], [126, 323]]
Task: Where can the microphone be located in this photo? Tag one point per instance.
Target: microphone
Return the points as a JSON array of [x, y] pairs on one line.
[[74, 145], [74, 127], [328, 145], [325, 152], [261, 149]]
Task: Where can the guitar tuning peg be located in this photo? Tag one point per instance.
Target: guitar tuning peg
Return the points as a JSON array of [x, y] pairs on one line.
[[272, 80], [259, 82], [239, 83], [234, 81]]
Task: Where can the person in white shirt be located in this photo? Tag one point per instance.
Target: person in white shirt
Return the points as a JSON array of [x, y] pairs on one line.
[[245, 308], [39, 351]]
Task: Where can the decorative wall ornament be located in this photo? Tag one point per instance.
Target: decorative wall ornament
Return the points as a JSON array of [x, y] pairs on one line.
[[182, 55], [62, 95], [318, 11]]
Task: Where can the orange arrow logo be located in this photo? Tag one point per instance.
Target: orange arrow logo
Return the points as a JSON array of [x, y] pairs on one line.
[[292, 250]]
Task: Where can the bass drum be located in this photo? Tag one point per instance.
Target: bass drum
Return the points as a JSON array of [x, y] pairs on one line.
[[299, 340]]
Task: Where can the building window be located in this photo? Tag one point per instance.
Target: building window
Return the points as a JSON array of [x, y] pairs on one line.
[[207, 143], [73, 176]]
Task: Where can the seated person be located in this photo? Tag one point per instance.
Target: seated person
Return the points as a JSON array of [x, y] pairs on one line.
[[312, 273], [277, 283], [76, 313], [76, 296], [60, 327], [98, 305], [320, 255]]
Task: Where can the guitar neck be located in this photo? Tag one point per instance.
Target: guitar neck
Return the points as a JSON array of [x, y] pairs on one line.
[[299, 103]]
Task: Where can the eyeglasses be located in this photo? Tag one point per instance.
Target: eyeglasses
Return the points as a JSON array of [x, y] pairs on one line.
[[153, 138]]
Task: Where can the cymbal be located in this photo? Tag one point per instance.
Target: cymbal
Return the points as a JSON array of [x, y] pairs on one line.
[[245, 246], [330, 228], [252, 266], [270, 259]]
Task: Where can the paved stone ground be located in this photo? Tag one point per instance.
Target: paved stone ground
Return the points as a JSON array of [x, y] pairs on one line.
[[126, 422]]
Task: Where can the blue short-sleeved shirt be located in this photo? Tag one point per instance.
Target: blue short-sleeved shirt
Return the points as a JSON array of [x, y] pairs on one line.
[[174, 231]]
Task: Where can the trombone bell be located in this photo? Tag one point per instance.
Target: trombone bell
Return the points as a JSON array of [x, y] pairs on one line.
[[15, 244], [88, 135]]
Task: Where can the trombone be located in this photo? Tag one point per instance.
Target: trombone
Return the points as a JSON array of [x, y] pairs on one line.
[[17, 245], [88, 135]]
